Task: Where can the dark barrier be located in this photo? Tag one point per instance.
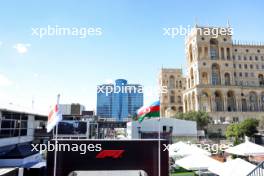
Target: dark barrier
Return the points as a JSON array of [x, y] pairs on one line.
[[35, 172], [110, 155]]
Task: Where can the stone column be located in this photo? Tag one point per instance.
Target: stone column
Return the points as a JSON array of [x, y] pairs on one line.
[[212, 103], [225, 103], [197, 104]]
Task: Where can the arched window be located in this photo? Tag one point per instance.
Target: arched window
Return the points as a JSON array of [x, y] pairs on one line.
[[192, 77], [228, 54], [262, 101], [227, 79], [214, 49], [190, 53], [244, 104], [180, 109], [261, 80], [216, 80], [172, 99], [253, 101], [219, 101], [222, 54], [179, 99], [231, 101], [171, 82], [204, 78], [180, 84], [205, 102]]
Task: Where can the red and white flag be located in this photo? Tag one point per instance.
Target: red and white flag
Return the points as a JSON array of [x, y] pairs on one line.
[[54, 116]]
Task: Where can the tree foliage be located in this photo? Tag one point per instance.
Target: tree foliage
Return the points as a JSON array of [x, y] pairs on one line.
[[202, 118], [248, 127]]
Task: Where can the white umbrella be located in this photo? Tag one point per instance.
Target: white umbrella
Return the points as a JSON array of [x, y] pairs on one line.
[[236, 167], [173, 148], [246, 149], [192, 150], [197, 162]]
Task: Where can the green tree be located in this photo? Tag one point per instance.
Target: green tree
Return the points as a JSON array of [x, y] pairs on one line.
[[202, 118], [249, 127]]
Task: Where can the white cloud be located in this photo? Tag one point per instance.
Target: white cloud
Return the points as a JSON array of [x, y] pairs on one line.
[[4, 81], [22, 48]]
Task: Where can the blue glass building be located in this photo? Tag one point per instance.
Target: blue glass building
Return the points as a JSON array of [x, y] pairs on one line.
[[119, 100]]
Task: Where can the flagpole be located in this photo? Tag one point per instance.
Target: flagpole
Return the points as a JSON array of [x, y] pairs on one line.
[[159, 146], [56, 140]]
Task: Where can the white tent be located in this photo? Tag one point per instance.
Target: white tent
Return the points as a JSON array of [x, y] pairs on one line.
[[191, 150], [236, 167], [246, 149], [173, 148], [197, 162]]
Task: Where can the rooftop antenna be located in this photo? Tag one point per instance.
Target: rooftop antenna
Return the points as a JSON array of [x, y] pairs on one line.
[[228, 23], [32, 102], [196, 22]]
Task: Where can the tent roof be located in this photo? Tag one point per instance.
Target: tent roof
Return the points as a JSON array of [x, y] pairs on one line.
[[173, 148], [197, 162], [191, 150], [21, 109], [246, 149], [236, 167]]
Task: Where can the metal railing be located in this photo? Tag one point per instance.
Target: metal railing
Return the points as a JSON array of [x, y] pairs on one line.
[[258, 171]]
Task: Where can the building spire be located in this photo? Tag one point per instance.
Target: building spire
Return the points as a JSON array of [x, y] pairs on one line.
[[196, 22], [228, 23]]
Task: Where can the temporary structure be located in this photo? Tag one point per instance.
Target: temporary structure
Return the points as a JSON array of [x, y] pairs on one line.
[[197, 162], [173, 148], [246, 149], [191, 150], [236, 167]]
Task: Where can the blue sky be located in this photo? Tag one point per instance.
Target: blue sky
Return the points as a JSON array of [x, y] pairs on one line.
[[132, 45]]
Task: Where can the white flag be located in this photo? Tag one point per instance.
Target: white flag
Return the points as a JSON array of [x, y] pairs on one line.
[[54, 116]]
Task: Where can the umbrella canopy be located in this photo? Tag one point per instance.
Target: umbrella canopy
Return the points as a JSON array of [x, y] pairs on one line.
[[236, 167], [197, 162], [191, 150], [173, 148], [246, 149]]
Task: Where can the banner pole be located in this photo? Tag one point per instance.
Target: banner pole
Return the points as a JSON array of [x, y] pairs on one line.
[[56, 141], [159, 146]]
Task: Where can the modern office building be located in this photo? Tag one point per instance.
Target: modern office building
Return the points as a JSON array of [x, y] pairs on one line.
[[172, 83], [119, 101]]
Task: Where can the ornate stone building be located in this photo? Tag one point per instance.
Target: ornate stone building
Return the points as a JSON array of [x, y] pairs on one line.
[[171, 100], [224, 78]]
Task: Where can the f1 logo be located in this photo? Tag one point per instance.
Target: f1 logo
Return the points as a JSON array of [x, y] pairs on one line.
[[110, 154]]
